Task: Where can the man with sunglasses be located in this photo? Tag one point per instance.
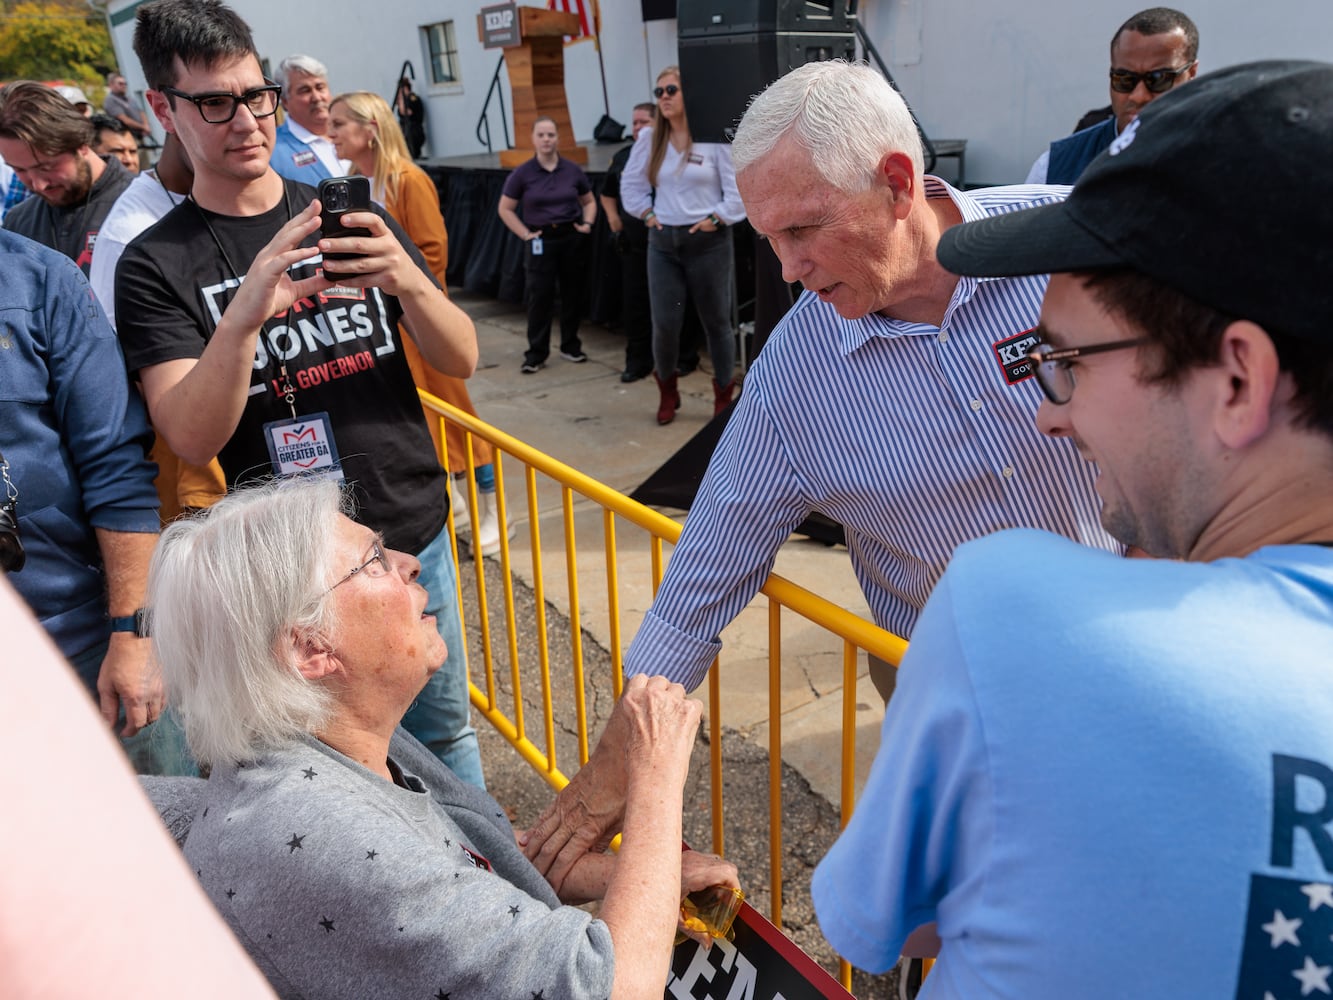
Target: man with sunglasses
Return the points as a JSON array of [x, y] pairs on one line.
[[1130, 793], [247, 351], [48, 144], [1152, 53]]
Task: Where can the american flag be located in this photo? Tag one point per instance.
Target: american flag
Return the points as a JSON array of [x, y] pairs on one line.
[[1288, 950], [588, 27]]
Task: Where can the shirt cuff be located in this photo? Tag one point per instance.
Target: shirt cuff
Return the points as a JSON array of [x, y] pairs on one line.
[[661, 649], [131, 520]]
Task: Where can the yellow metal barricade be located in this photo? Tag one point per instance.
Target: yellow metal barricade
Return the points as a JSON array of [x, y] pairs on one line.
[[784, 598]]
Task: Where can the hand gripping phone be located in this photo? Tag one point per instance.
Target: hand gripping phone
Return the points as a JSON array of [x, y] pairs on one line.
[[337, 197]]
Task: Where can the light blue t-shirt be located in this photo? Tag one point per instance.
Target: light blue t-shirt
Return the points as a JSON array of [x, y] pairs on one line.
[[1103, 777]]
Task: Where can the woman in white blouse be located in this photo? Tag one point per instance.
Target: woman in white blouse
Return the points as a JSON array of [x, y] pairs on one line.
[[686, 194]]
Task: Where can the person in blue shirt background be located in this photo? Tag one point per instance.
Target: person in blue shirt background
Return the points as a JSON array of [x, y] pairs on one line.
[[302, 151]]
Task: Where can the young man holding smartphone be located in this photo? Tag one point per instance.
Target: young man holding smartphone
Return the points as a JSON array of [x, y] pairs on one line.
[[246, 350]]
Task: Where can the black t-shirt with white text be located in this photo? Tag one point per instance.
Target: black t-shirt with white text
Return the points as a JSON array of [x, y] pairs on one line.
[[341, 348]]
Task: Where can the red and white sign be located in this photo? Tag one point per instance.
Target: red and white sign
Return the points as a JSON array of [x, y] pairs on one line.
[[760, 963]]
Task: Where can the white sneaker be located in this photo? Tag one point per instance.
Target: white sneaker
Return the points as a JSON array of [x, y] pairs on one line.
[[488, 531], [458, 502]]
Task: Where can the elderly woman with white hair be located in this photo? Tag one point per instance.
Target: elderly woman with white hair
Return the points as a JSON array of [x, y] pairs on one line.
[[292, 642]]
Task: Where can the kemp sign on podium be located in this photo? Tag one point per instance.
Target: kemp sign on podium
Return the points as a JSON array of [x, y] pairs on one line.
[[497, 26], [761, 963]]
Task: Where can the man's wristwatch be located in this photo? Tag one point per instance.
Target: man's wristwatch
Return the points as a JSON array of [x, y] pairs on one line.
[[136, 623], [715, 220]]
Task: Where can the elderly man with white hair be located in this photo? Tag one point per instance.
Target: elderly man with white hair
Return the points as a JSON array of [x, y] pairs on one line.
[[302, 150], [895, 398], [346, 859]]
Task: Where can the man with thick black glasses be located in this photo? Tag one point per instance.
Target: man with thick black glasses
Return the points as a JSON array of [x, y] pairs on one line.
[[247, 351], [1131, 793], [1152, 53]]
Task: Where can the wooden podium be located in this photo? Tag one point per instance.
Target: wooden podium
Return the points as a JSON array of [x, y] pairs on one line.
[[536, 67]]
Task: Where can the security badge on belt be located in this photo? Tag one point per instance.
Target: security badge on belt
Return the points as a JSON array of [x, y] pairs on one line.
[[303, 447]]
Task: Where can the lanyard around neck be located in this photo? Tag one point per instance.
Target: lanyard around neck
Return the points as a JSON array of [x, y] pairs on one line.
[[287, 389]]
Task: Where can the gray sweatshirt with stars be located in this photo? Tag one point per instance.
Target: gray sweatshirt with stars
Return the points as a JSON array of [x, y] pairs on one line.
[[340, 884]]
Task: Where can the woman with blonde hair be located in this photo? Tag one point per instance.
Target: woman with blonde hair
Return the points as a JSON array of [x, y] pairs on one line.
[[364, 129], [685, 192]]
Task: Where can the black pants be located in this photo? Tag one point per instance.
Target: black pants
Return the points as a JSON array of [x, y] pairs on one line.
[[563, 261], [415, 134], [638, 316]]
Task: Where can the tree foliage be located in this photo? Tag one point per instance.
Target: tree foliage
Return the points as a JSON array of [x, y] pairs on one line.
[[54, 40]]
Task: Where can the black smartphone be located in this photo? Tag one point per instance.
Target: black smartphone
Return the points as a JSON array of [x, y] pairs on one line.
[[337, 197]]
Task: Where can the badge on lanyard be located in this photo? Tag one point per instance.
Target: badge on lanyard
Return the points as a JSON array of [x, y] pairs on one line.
[[303, 447], [536, 244]]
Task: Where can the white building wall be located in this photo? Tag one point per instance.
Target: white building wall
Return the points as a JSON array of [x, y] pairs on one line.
[[1009, 77], [364, 45]]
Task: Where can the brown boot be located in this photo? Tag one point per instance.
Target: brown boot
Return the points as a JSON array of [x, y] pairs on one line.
[[722, 396], [670, 399]]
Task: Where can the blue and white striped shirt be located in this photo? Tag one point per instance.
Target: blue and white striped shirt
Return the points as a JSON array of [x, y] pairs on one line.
[[915, 438]]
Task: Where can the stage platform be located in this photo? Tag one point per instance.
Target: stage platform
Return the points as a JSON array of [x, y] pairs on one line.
[[485, 258], [599, 159]]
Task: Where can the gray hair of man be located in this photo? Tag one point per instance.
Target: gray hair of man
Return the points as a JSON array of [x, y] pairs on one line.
[[233, 593], [845, 115], [308, 65]]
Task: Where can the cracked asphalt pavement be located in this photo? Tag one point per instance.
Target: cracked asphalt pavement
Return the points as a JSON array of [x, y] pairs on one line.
[[809, 823]]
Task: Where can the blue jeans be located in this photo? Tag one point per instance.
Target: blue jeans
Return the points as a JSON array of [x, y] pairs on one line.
[[156, 749], [700, 264], [439, 717]]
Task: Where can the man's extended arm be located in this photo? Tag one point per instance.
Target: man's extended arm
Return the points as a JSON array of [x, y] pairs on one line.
[[102, 425], [128, 677], [748, 504]]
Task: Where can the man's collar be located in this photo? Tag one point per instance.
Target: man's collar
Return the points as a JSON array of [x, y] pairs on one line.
[[856, 333], [965, 203], [301, 132], [971, 212]]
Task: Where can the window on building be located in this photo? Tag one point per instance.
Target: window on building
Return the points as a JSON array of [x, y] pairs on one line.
[[443, 52]]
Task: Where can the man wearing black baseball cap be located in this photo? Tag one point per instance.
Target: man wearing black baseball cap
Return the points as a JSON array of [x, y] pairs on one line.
[[1125, 788]]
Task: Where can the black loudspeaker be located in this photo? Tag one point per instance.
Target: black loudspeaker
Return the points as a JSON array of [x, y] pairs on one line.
[[730, 50], [656, 10], [699, 17]]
